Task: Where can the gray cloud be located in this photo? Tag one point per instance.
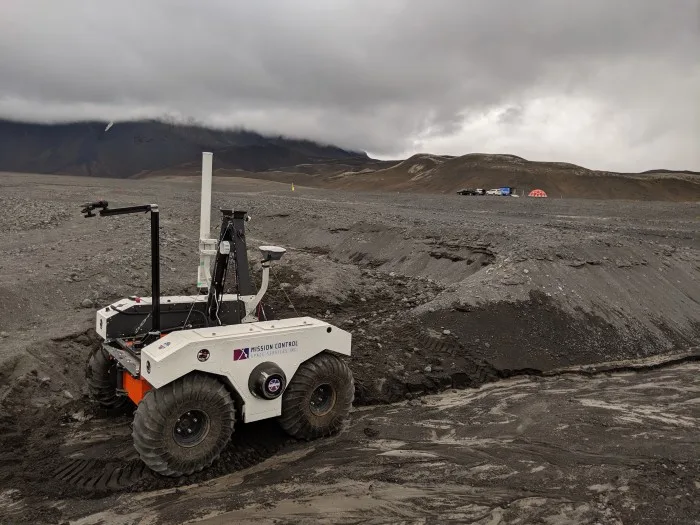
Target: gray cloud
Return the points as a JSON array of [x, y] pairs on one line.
[[606, 84]]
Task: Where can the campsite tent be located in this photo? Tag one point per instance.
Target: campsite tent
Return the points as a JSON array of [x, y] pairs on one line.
[[537, 193]]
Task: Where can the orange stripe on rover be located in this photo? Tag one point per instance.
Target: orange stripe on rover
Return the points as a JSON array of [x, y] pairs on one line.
[[135, 388]]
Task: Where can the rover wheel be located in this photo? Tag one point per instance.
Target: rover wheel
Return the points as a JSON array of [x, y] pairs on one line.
[[182, 428], [101, 377], [318, 398]]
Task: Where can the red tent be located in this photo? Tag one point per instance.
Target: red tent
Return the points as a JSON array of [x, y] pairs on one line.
[[537, 193]]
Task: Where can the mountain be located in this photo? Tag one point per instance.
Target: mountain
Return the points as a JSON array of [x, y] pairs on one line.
[[152, 148], [126, 149]]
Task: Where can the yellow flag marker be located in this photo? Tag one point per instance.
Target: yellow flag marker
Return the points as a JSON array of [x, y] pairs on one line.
[[292, 186]]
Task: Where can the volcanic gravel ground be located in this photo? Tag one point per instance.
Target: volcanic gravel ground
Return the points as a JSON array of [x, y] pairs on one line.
[[441, 293]]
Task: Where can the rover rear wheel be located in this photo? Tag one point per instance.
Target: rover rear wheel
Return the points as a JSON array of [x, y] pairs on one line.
[[318, 398], [182, 428], [101, 378]]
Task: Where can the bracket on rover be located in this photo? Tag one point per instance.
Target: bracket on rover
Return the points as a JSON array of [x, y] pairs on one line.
[[231, 238]]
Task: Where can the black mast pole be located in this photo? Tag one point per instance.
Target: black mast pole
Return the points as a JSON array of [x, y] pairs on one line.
[[155, 267], [103, 206]]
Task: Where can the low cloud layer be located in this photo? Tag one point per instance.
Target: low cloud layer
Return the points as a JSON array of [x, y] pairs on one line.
[[610, 85]]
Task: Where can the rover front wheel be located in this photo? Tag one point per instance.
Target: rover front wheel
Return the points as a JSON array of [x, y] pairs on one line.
[[318, 398], [182, 428]]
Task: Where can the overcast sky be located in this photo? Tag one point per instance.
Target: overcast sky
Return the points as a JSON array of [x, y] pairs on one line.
[[609, 84]]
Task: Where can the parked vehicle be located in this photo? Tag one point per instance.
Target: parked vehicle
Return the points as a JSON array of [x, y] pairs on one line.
[[471, 191]]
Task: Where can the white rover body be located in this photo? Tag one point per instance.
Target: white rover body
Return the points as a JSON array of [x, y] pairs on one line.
[[195, 365]]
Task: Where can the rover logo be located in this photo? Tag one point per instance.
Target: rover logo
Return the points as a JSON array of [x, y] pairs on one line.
[[241, 353], [203, 355]]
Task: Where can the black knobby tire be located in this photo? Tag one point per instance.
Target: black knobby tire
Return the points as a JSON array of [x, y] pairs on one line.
[[195, 402], [101, 377], [330, 378]]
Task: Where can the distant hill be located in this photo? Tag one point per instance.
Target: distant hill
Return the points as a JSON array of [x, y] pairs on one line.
[[151, 148], [448, 174], [130, 148]]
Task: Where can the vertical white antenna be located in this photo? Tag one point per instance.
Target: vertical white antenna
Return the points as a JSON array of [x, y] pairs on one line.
[[205, 217], [207, 246]]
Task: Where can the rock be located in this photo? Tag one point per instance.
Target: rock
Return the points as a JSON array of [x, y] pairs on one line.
[[362, 299], [526, 271], [79, 416], [446, 332], [414, 402], [392, 274], [87, 303], [370, 432], [4, 334], [577, 263], [428, 369], [67, 394], [512, 282], [285, 286]]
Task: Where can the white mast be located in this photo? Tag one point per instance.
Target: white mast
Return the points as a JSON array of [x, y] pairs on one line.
[[207, 246]]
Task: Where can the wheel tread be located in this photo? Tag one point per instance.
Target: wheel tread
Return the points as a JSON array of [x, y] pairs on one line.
[[295, 420], [151, 428]]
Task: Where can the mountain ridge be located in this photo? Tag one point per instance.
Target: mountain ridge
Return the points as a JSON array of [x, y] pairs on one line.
[[138, 149], [124, 149]]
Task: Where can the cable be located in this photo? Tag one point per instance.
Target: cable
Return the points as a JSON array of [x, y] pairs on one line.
[[192, 307], [142, 323], [285, 294]]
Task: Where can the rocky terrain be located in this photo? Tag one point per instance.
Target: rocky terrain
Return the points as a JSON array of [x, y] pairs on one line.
[[515, 359]]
